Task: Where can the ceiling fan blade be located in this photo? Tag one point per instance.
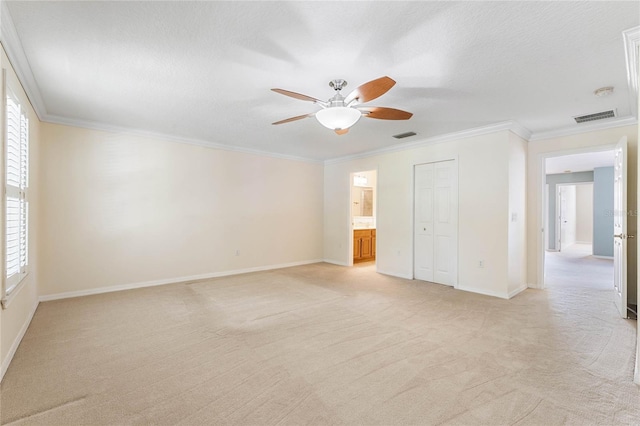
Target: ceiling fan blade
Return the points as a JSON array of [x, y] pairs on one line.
[[299, 117], [371, 90], [296, 95], [341, 131], [383, 113]]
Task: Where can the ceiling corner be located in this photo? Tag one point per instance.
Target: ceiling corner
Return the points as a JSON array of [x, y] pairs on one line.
[[520, 130], [13, 47]]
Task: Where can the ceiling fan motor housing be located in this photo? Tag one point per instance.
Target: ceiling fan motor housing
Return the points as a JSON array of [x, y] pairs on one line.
[[338, 84], [336, 101]]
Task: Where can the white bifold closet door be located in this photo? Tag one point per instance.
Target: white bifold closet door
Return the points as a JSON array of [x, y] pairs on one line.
[[436, 222]]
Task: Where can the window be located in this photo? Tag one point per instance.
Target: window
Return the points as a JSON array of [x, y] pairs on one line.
[[16, 185]]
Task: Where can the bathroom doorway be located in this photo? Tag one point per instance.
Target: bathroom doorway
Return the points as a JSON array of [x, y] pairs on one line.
[[363, 217]]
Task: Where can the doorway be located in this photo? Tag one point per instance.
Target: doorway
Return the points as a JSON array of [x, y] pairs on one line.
[[574, 218], [579, 222], [363, 201]]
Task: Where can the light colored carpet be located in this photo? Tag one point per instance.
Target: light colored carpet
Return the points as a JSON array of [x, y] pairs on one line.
[[575, 267], [323, 344]]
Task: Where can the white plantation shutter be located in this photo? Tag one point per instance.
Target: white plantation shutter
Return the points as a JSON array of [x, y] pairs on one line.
[[16, 185]]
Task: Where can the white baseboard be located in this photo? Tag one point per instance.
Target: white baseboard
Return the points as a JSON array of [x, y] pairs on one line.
[[17, 340], [109, 289], [603, 257], [484, 292], [395, 274], [584, 242], [636, 375], [518, 290], [335, 262]]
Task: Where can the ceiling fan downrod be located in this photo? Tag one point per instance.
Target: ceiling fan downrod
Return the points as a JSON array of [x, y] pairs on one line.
[[337, 100]]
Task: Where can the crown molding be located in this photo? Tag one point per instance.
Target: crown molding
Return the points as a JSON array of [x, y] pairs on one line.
[[15, 52], [583, 128], [631, 45], [54, 119], [512, 126], [520, 130]]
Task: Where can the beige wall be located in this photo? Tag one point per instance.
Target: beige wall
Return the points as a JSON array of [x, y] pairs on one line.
[[15, 318], [517, 250], [483, 198], [120, 210], [637, 369], [563, 145], [637, 193], [584, 213]]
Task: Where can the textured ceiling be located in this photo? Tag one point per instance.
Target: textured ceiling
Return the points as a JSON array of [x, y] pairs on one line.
[[203, 70]]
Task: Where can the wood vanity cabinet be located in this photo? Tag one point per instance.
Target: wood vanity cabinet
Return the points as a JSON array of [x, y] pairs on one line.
[[364, 245], [373, 243]]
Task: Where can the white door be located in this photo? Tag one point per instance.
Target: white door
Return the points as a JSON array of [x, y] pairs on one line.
[[620, 227], [567, 216], [436, 222], [445, 223], [423, 222]]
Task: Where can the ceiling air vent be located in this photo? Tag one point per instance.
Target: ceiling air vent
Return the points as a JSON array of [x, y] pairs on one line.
[[404, 135], [595, 116]]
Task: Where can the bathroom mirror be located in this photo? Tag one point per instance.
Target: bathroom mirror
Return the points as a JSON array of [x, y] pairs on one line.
[[362, 201]]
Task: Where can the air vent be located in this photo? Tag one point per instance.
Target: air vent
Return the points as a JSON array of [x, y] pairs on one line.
[[404, 135], [596, 116]]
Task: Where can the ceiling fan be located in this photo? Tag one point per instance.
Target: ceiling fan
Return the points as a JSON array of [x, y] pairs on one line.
[[339, 112]]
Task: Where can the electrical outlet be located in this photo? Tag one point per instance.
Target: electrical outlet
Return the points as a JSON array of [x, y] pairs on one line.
[[398, 252], [480, 263], [237, 252]]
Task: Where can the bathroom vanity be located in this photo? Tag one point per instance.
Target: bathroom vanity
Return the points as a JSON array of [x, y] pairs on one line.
[[364, 245]]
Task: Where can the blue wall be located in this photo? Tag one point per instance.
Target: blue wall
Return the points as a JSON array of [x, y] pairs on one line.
[[603, 211]]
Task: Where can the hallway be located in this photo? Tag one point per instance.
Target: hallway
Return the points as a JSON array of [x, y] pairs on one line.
[[580, 282], [576, 267]]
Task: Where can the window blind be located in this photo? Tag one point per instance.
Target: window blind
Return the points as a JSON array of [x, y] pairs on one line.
[[16, 184]]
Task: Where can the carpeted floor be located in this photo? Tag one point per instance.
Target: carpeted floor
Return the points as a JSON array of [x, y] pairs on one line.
[[323, 344], [575, 267]]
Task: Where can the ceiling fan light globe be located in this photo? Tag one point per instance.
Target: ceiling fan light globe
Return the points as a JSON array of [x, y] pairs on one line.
[[337, 118]]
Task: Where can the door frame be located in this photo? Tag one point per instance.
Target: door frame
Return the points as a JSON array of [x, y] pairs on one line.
[[543, 203], [558, 224], [545, 219], [558, 218], [413, 212], [350, 217]]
